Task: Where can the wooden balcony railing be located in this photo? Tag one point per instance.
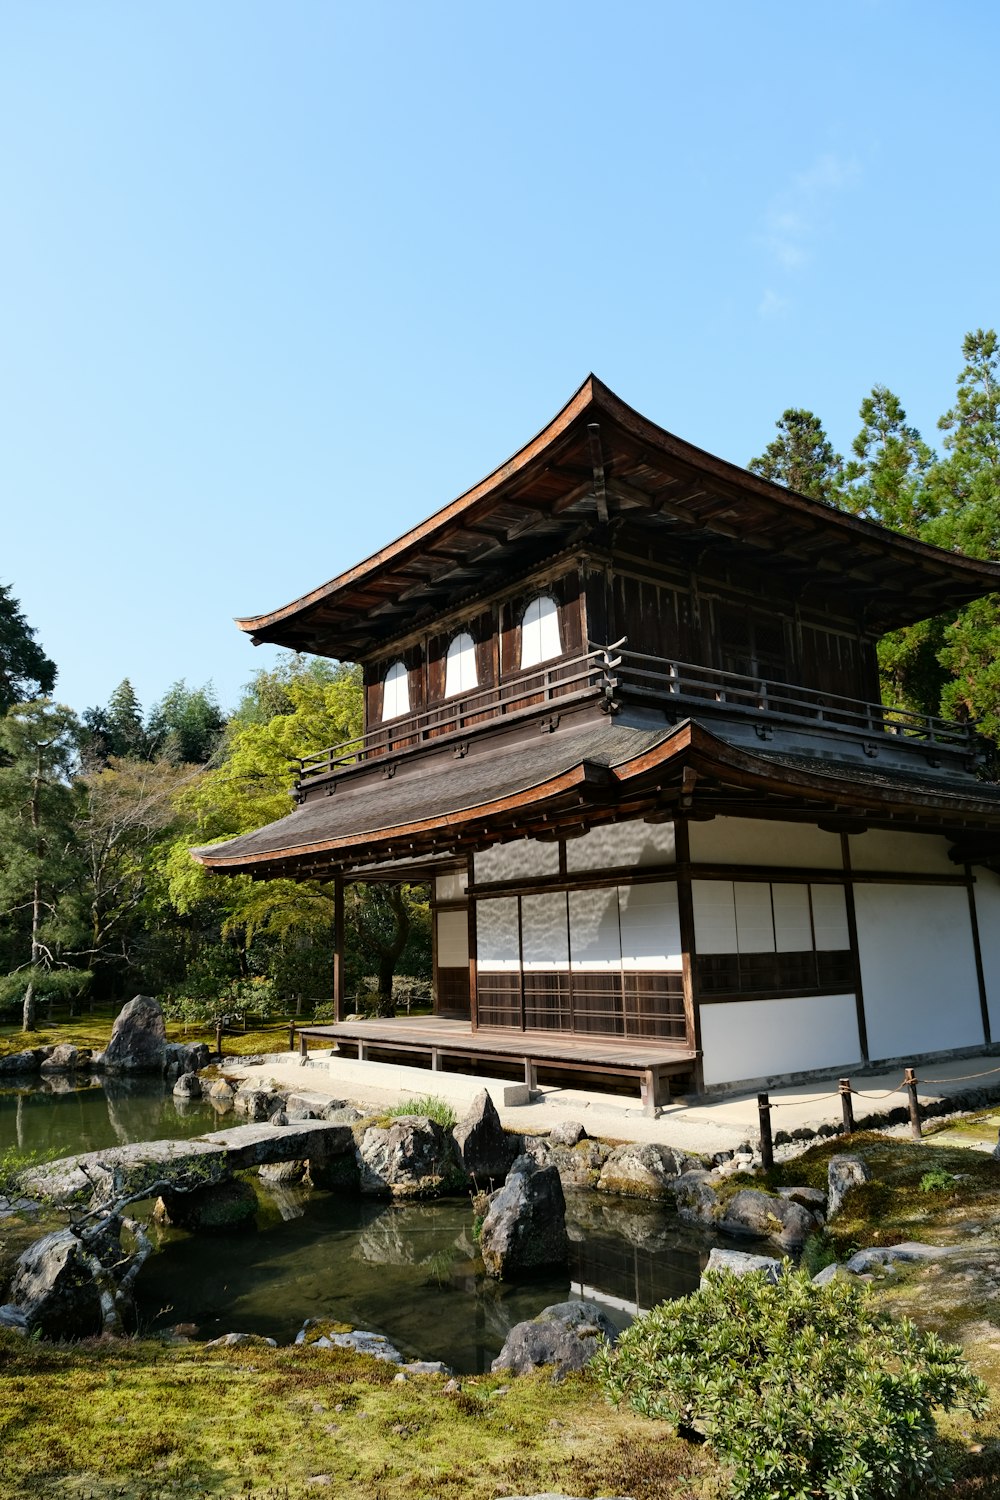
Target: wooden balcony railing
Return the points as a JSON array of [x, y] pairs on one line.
[[617, 676]]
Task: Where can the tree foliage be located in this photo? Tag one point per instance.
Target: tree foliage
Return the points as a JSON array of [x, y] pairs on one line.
[[802, 457], [25, 670]]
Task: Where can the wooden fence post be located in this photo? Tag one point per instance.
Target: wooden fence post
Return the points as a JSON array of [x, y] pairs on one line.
[[910, 1080], [766, 1141], [218, 1037], [291, 1036], [847, 1105], [303, 1044]]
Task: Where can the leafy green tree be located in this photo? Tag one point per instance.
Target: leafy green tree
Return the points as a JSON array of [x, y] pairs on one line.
[[887, 477], [186, 725], [38, 864], [25, 670], [802, 458]]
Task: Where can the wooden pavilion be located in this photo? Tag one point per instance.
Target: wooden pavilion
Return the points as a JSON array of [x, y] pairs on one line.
[[622, 711]]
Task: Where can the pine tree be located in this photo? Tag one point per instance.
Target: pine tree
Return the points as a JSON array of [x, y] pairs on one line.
[[887, 477], [802, 458], [25, 670], [126, 735]]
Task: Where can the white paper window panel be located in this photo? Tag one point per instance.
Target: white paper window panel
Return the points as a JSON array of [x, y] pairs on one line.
[[759, 841], [452, 939], [396, 691], [451, 887], [792, 924], [650, 928], [829, 906], [544, 931], [460, 666], [515, 860], [714, 916], [594, 935], [498, 946], [540, 631], [754, 921], [622, 846]]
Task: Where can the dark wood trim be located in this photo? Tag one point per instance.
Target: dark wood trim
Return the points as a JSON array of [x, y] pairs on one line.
[[338, 947], [852, 933], [785, 875], [978, 952], [685, 914], [575, 880], [801, 992], [473, 950]]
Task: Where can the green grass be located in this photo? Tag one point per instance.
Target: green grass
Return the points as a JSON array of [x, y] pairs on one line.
[[428, 1104]]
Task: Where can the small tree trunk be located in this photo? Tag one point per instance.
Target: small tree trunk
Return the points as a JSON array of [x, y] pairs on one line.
[[28, 1009]]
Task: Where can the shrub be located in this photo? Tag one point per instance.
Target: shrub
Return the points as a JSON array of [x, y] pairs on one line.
[[801, 1390], [937, 1181], [430, 1105]]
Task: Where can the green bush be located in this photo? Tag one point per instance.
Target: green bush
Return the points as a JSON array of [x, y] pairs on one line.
[[937, 1181], [802, 1391]]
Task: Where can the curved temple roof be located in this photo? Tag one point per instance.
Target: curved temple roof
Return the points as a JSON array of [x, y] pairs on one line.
[[597, 460]]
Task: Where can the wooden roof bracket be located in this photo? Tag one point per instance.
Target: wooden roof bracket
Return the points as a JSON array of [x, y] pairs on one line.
[[597, 462]]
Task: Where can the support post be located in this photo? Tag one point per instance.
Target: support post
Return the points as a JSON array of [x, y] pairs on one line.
[[218, 1038], [847, 1105], [291, 1036], [338, 948], [303, 1045], [910, 1080], [766, 1140]]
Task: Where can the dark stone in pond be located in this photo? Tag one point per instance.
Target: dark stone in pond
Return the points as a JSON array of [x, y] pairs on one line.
[[566, 1335], [413, 1158], [484, 1148], [54, 1288], [28, 1061], [13, 1319], [525, 1224], [218, 1207], [188, 1086], [66, 1059], [138, 1038]]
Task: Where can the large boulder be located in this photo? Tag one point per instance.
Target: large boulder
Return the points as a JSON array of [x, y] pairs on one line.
[[566, 1335], [696, 1198], [760, 1216], [28, 1061], [219, 1207], [65, 1059], [188, 1086], [642, 1170], [187, 1057], [486, 1152], [55, 1289], [739, 1263], [256, 1103], [842, 1174], [579, 1165], [138, 1038], [413, 1158], [525, 1224]]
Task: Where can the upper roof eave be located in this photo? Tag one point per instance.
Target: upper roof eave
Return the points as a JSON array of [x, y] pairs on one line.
[[970, 576]]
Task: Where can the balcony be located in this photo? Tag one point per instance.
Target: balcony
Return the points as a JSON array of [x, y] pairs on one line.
[[617, 680]]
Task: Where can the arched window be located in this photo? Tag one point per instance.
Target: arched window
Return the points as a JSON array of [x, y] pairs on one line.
[[540, 631], [460, 666], [395, 692]]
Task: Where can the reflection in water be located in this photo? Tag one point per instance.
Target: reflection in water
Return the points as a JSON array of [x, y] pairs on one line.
[[64, 1115], [409, 1271]]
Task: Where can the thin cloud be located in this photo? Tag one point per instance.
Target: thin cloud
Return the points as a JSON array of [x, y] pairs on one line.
[[772, 305], [796, 217]]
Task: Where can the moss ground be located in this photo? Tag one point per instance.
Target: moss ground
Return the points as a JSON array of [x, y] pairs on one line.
[[142, 1420], [94, 1030]]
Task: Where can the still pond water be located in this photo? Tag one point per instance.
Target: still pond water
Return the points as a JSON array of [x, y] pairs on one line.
[[409, 1271]]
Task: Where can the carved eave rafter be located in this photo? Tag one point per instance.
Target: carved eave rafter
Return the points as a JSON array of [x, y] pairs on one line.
[[600, 464]]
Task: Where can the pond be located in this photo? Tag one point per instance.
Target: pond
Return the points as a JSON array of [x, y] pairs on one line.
[[409, 1271]]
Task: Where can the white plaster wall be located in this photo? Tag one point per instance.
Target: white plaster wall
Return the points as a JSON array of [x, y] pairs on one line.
[[594, 934], [901, 853], [452, 939], [758, 1038], [918, 968], [517, 859], [622, 846], [545, 932], [451, 887], [759, 841], [987, 893]]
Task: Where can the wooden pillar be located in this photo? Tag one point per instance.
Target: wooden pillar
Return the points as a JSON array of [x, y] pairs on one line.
[[852, 932], [685, 913], [473, 980], [339, 1002], [977, 949]]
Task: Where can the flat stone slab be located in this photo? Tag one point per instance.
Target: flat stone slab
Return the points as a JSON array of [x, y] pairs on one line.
[[184, 1165], [909, 1250]]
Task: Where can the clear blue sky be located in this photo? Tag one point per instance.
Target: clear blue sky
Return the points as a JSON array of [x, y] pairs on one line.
[[280, 279]]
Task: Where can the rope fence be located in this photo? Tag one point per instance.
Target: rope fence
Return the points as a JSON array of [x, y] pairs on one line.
[[846, 1093]]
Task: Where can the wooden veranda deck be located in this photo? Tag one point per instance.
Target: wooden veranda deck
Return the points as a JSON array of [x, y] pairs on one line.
[[652, 1063]]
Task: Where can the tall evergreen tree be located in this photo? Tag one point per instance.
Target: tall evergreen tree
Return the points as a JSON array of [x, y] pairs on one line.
[[127, 737], [37, 858], [887, 477], [186, 725], [25, 670], [802, 457]]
